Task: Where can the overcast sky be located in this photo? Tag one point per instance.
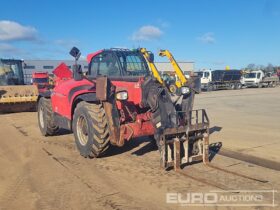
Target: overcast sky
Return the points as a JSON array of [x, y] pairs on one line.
[[212, 33]]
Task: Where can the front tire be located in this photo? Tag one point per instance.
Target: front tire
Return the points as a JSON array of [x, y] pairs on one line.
[[238, 86], [91, 129], [45, 117]]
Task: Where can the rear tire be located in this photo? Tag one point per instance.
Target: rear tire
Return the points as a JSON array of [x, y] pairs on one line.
[[45, 117], [214, 88], [209, 88], [91, 129], [272, 85], [231, 86]]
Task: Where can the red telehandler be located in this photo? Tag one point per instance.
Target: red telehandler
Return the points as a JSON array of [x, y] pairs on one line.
[[119, 99]]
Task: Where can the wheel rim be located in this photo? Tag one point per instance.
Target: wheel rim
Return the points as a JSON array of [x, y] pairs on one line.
[[41, 117], [82, 130]]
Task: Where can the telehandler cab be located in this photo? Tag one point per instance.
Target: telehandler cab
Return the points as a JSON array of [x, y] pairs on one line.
[[118, 100]]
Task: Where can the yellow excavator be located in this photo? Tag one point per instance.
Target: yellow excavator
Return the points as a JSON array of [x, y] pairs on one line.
[[182, 80], [15, 96]]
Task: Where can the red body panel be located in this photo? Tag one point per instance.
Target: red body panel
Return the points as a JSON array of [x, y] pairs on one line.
[[62, 71], [91, 55], [65, 93], [133, 89], [137, 129]]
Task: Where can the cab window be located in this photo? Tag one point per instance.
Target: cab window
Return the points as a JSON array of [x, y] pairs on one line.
[[104, 64], [259, 75]]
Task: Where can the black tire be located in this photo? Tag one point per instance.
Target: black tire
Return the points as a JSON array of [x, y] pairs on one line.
[[231, 86], [91, 129], [238, 86], [45, 117], [209, 88], [214, 88], [272, 85]]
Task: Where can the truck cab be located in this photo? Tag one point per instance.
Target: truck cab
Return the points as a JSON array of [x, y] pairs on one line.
[[253, 78], [205, 78], [41, 80]]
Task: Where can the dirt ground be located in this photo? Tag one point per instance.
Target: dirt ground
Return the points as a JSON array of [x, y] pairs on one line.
[[247, 120], [48, 173]]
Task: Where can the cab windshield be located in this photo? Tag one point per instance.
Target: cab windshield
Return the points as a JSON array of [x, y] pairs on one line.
[[132, 63], [118, 63], [250, 75], [40, 80], [206, 74]]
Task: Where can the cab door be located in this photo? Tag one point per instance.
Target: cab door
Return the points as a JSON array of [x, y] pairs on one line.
[[258, 77]]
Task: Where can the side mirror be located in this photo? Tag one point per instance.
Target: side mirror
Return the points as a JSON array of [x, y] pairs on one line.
[[151, 57], [77, 72], [75, 52]]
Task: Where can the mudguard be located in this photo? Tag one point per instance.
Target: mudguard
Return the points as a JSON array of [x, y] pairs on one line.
[[105, 92]]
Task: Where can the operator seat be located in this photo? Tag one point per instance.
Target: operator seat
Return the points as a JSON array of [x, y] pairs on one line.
[[113, 70]]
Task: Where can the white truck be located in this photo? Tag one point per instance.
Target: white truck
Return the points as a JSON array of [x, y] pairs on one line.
[[258, 78], [220, 79]]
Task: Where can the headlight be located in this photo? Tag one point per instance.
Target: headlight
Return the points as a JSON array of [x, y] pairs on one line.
[[122, 95], [185, 90]]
